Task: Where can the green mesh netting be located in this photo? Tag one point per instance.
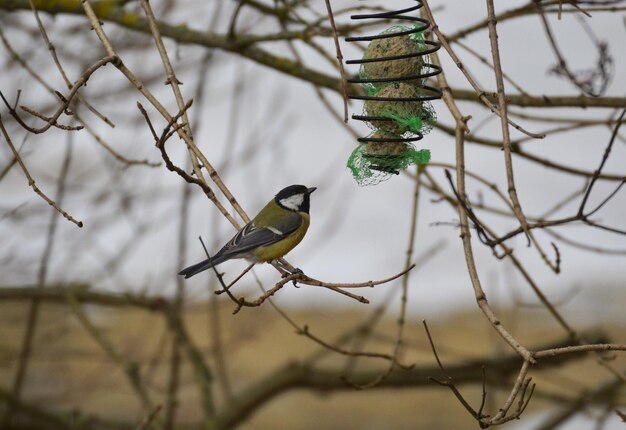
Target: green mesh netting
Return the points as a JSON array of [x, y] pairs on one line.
[[393, 46], [375, 162], [409, 117]]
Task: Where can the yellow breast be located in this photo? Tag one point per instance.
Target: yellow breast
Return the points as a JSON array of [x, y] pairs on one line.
[[278, 249]]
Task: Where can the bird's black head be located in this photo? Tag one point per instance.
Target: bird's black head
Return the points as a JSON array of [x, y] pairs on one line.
[[295, 198]]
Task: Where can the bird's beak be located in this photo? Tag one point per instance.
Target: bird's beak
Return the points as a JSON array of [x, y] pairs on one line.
[[310, 190]]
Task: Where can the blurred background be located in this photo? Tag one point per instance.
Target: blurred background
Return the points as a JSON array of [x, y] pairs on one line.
[[97, 330]]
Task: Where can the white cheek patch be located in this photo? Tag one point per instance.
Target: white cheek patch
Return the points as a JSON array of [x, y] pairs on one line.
[[294, 202]]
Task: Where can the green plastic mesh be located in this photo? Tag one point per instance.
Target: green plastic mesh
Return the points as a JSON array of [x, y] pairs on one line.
[[374, 162], [409, 117], [393, 46]]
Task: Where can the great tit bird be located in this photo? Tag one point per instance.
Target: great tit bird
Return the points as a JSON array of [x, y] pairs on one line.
[[275, 231]]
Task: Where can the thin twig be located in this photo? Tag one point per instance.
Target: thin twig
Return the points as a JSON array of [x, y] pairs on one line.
[[506, 139], [342, 72], [605, 157], [481, 297], [578, 349], [31, 181]]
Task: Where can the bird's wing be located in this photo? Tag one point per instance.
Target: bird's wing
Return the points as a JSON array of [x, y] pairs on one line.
[[252, 236]]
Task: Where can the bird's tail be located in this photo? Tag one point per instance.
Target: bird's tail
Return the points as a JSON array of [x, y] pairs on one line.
[[188, 272]]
